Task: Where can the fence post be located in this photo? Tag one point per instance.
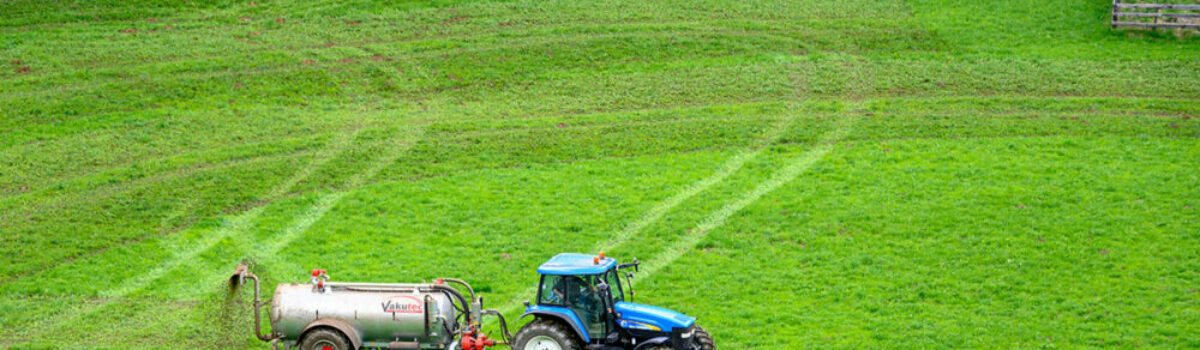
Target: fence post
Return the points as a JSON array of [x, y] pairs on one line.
[[1113, 23]]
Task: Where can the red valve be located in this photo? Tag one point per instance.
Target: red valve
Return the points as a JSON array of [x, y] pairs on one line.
[[470, 342], [317, 278]]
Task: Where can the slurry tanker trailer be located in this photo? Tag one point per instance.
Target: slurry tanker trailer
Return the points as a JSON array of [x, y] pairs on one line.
[[581, 304]]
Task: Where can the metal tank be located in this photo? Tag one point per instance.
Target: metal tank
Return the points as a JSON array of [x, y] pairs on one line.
[[342, 316], [412, 313]]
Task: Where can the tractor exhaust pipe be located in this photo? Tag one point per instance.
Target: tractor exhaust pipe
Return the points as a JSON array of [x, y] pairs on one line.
[[240, 274]]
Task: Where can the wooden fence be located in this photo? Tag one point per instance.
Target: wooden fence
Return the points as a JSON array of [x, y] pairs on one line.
[[1155, 15]]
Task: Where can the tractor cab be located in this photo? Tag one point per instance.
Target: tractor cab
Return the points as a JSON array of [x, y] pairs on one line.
[[581, 303]]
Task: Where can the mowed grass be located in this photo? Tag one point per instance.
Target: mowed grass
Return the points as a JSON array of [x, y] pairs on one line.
[[817, 174]]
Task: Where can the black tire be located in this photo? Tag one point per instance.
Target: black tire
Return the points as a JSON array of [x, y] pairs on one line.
[[324, 339], [703, 339], [546, 330]]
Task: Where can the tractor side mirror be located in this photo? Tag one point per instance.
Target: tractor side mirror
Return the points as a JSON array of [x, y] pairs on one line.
[[633, 264]]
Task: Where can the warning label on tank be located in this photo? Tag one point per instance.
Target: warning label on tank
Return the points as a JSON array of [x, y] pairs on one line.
[[403, 304]]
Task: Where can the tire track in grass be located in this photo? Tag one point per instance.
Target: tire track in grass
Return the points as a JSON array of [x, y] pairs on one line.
[[240, 223], [302, 223], [716, 219], [188, 251], [732, 165], [267, 252], [231, 227], [337, 146], [671, 253], [305, 219], [794, 168], [57, 324], [322, 155], [657, 212], [326, 202], [668, 255]]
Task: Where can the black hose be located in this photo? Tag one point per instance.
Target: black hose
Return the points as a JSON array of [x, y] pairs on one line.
[[503, 324], [425, 312], [448, 331], [456, 294], [458, 315], [463, 283], [448, 296]]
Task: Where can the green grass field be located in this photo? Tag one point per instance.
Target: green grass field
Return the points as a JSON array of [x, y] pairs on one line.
[[808, 174]]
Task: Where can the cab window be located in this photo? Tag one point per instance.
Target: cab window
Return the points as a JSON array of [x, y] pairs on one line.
[[551, 292], [613, 279]]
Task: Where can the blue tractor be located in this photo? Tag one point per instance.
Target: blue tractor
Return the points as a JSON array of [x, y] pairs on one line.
[[581, 305]]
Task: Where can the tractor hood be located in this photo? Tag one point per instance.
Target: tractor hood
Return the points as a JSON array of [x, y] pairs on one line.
[[639, 316]]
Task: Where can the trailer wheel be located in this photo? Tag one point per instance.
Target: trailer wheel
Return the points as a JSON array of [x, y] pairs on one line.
[[324, 339], [545, 335], [704, 340]]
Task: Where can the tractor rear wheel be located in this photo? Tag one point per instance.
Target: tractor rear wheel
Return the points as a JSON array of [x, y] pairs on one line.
[[324, 339], [545, 335], [703, 339]]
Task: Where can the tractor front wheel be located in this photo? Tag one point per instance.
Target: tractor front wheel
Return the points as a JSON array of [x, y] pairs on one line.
[[703, 339], [700, 340], [545, 335]]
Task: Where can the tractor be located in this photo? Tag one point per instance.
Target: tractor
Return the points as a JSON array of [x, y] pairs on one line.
[[581, 305]]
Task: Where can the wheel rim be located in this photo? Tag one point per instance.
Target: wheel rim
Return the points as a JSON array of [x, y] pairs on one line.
[[324, 345], [542, 342]]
